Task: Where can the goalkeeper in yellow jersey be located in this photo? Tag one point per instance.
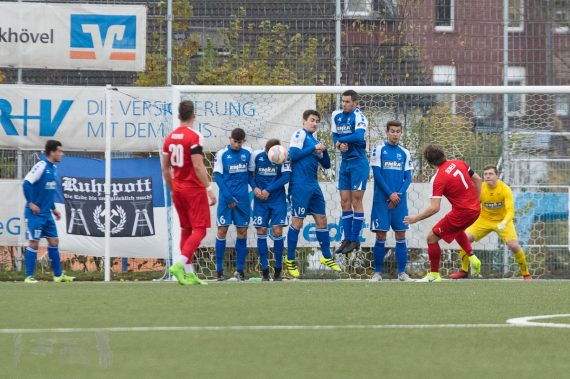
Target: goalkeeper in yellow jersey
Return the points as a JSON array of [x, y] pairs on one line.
[[497, 212]]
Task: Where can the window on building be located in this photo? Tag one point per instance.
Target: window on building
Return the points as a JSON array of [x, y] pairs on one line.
[[516, 15], [562, 105], [562, 16], [444, 15], [516, 76], [357, 8], [444, 76]]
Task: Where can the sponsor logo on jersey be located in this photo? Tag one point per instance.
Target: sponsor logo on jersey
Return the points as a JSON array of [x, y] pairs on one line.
[[392, 165], [237, 167], [243, 157], [51, 185], [177, 136], [494, 205], [267, 171], [343, 129]]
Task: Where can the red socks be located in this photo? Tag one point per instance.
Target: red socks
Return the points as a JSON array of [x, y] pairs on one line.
[[434, 252], [192, 242], [463, 241]]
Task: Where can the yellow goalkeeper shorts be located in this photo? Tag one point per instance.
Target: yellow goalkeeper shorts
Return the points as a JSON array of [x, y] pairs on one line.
[[482, 227]]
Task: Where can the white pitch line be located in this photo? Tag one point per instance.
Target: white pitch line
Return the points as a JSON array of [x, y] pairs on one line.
[[529, 321], [244, 328]]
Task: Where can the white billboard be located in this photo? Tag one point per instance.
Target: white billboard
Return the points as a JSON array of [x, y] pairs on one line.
[[73, 36], [140, 117]]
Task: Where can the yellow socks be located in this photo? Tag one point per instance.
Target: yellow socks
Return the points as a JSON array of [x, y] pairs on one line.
[[521, 261]]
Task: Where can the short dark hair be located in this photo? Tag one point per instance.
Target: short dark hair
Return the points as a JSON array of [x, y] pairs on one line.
[[51, 145], [491, 167], [393, 123], [434, 155], [238, 134], [271, 142], [352, 93], [311, 112], [186, 110]]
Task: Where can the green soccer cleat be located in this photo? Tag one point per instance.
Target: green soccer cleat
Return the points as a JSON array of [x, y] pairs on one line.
[[177, 270], [432, 277], [192, 280], [330, 263], [30, 280], [475, 266], [63, 278], [292, 268]]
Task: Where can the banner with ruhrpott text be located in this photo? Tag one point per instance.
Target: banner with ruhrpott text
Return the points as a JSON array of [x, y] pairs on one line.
[[140, 117]]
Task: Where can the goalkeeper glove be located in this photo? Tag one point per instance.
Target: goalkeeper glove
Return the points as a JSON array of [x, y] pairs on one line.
[[501, 226]]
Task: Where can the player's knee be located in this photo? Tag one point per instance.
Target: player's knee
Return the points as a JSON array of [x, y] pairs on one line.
[[222, 232], [297, 223], [277, 231], [514, 245], [262, 231], [242, 232], [400, 235], [34, 244], [380, 236], [53, 242], [432, 237]]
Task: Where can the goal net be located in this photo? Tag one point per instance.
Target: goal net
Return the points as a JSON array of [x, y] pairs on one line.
[[521, 131]]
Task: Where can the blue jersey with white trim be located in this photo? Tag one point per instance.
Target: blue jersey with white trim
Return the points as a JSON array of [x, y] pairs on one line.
[[40, 185], [304, 170], [394, 161], [267, 173], [345, 124], [234, 167]]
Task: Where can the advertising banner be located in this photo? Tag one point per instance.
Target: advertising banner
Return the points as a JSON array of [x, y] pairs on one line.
[[73, 36], [140, 117]]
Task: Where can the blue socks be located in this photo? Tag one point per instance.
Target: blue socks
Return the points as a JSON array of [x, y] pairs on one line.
[[241, 252], [401, 254], [53, 253], [263, 250], [357, 221], [292, 238], [31, 257], [347, 224], [220, 252], [379, 255], [325, 242], [278, 244]]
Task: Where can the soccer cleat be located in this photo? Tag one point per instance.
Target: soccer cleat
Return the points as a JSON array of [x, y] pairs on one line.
[[431, 277], [527, 278], [342, 246], [30, 280], [377, 277], [403, 277], [192, 280], [63, 278], [352, 245], [221, 276], [177, 269], [459, 275], [330, 263], [475, 266], [292, 268], [240, 276], [265, 275], [277, 275]]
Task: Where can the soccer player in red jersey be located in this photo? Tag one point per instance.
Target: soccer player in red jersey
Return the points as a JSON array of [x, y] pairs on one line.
[[185, 174], [456, 181]]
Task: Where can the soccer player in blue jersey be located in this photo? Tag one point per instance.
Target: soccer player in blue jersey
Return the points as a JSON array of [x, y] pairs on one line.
[[392, 169], [231, 173], [269, 205], [348, 128], [306, 153], [40, 185]]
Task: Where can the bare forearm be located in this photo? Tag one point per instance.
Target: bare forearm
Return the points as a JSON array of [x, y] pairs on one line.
[[167, 174], [202, 175], [426, 213]]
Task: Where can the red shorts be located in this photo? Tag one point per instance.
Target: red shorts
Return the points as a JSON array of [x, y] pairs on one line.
[[192, 206], [453, 223]]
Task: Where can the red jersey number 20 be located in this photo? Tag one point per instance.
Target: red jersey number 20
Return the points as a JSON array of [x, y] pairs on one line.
[[176, 155]]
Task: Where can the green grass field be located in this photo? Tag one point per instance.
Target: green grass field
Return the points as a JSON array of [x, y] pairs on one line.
[[436, 330]]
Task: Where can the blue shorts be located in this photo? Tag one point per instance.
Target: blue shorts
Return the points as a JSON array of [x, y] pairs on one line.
[[353, 175], [39, 226], [272, 213], [308, 199], [238, 216], [383, 218]]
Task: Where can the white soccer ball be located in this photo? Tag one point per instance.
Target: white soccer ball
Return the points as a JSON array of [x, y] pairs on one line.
[[277, 154]]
